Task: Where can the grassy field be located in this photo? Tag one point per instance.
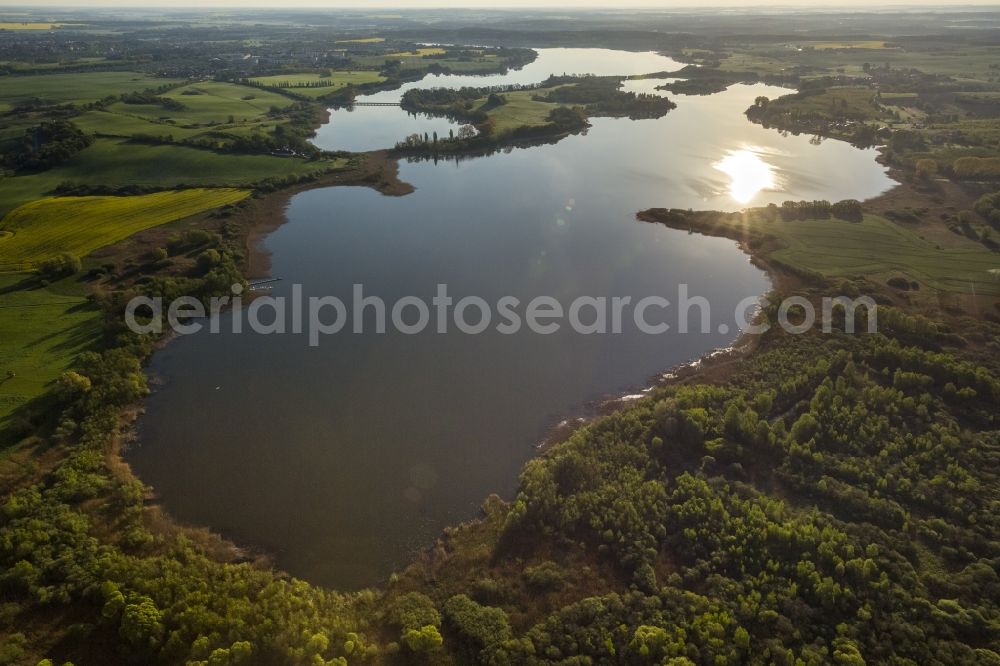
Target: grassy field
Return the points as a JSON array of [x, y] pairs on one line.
[[80, 225], [43, 330], [878, 247], [874, 248], [76, 88], [111, 123], [520, 111], [209, 103], [864, 44], [296, 82], [119, 162]]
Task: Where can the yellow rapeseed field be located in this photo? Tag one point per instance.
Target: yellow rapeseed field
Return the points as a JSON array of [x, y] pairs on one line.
[[13, 25], [418, 53], [79, 225]]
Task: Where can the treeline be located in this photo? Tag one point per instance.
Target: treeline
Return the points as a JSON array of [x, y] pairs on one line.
[[847, 209], [284, 85], [153, 100]]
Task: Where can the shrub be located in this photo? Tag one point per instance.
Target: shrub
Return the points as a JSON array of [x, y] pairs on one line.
[[899, 283], [546, 577], [208, 259], [60, 266], [197, 238], [926, 168], [425, 639], [478, 627], [414, 611]]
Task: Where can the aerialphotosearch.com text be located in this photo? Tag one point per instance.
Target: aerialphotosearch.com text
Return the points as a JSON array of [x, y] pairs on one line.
[[320, 316]]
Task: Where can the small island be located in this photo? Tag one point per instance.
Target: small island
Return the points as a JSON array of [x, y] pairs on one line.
[[557, 107]]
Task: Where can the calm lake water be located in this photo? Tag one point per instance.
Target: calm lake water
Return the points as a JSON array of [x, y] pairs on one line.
[[346, 459]]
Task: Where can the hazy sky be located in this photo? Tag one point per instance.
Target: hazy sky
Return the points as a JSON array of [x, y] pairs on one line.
[[494, 4]]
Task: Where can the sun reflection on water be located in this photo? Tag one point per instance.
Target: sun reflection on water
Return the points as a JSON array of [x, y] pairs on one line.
[[748, 174]]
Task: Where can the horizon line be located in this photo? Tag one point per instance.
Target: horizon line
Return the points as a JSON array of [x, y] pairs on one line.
[[858, 6]]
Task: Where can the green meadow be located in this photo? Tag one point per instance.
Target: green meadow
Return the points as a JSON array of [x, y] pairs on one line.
[[112, 124], [209, 103], [77, 88], [297, 83], [42, 330], [877, 246], [520, 111]]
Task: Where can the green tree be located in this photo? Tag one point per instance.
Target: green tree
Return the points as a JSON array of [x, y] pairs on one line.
[[423, 640], [142, 625]]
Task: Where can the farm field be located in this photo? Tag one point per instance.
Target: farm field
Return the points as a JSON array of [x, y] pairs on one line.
[[314, 85], [111, 124], [43, 330], [80, 225], [78, 88], [335, 80], [208, 103], [13, 25], [877, 246], [418, 53], [861, 44], [362, 40], [118, 162]]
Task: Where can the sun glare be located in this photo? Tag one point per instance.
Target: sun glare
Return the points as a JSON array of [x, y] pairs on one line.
[[748, 174]]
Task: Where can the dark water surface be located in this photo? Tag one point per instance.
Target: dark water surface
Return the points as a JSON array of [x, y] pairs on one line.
[[345, 459]]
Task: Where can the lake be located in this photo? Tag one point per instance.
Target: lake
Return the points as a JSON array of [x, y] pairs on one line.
[[345, 459]]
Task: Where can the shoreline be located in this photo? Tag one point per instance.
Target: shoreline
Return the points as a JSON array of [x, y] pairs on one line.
[[380, 171]]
